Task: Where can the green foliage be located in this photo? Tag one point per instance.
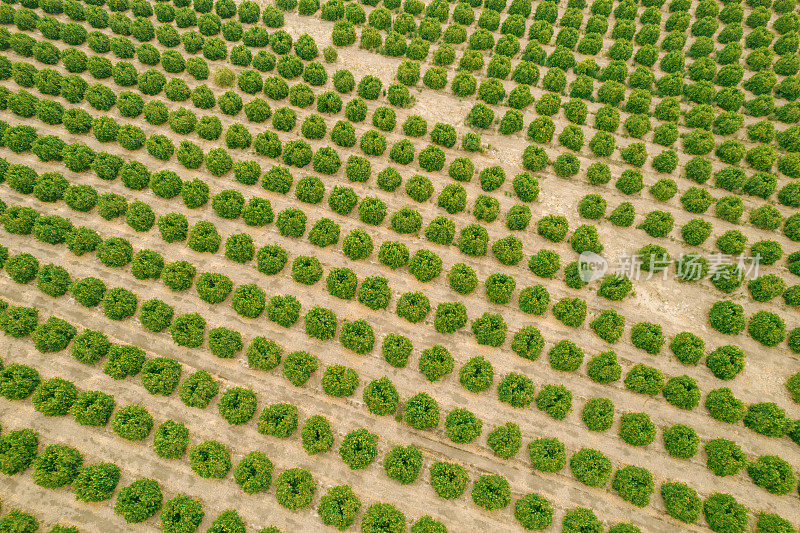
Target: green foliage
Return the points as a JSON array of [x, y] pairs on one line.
[[421, 411], [237, 405], [339, 381], [381, 396], [119, 303], [224, 342], [723, 513], [767, 328], [263, 354], [772, 523], [491, 492], [198, 389], [89, 346], [793, 386], [279, 420], [724, 457], [283, 310], [396, 349], [299, 366], [382, 517], [18, 381], [92, 408], [271, 259], [644, 380], [636, 429], [476, 375], [767, 419], [160, 375], [570, 311], [435, 362], [413, 306], [306, 270], [722, 405], [448, 479], [181, 514], [357, 336], [547, 454], [372, 211], [358, 449], [726, 317], [403, 464], [585, 239], [56, 466], [533, 512], [604, 368], [681, 501], [338, 507], [321, 323], [171, 440], [565, 356], [209, 459], [773, 474], [726, 362], [544, 263], [316, 435], [450, 317], [534, 300], [598, 414], [490, 329], [648, 337], [516, 389], [590, 467], [19, 321], [462, 426], [53, 335], [213, 288], [178, 276], [155, 315], [204, 237], [248, 300], [18, 450], [634, 484], [54, 397], [555, 400], [682, 392], [766, 287], [139, 501], [681, 441], [96, 483]]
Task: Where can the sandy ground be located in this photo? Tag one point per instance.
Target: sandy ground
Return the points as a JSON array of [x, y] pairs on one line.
[[665, 302]]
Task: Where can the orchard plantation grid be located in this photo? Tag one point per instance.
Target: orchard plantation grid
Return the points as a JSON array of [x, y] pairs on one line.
[[399, 265]]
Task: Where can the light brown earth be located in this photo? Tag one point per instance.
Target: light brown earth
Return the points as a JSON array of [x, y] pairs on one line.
[[677, 307]]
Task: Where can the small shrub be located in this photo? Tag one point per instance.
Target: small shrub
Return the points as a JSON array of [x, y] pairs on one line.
[[636, 429], [339, 381], [590, 467], [644, 380]]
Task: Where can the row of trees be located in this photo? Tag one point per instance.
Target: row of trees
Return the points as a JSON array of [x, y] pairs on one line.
[[160, 376], [761, 420], [249, 301], [228, 203], [756, 216], [498, 43], [541, 32], [211, 459], [59, 465], [203, 236]]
